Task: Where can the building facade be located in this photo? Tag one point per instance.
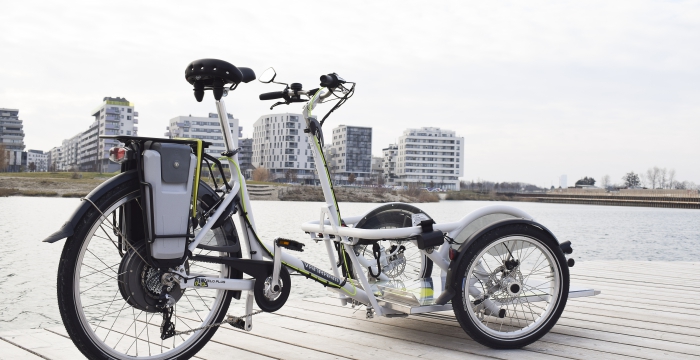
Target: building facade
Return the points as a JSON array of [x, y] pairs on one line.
[[205, 128], [69, 152], [55, 159], [389, 154], [37, 161], [563, 183], [12, 138], [430, 156], [245, 157], [350, 154], [114, 116], [281, 147]]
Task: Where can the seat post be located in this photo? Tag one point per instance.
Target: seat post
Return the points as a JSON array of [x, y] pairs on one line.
[[230, 141]]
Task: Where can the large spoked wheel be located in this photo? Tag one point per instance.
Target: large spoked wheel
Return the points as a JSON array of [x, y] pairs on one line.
[[106, 291], [513, 286], [404, 261]]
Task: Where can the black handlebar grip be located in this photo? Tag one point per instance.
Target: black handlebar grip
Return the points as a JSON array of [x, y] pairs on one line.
[[329, 81], [272, 95]]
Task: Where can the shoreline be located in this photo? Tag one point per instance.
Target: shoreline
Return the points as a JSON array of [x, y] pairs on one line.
[[68, 185]]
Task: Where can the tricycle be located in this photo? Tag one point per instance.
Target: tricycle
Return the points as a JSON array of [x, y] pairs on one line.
[[153, 257]]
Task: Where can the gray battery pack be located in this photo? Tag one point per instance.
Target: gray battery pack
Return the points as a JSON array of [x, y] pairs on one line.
[[169, 169]]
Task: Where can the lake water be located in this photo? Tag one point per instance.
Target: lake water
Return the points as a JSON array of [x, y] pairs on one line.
[[28, 287]]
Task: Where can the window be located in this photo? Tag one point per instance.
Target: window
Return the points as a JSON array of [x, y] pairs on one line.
[[122, 116], [122, 124], [128, 117], [128, 110]]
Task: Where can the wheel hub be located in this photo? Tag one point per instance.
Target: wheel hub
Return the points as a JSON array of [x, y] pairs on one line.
[[141, 285]]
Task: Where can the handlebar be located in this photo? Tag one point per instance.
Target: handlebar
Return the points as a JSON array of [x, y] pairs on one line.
[[272, 95], [331, 80]]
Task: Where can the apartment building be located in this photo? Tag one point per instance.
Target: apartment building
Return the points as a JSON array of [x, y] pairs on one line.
[[37, 161], [430, 156], [245, 157], [280, 146], [389, 154], [205, 128], [55, 159], [114, 116], [69, 152], [350, 153], [12, 137]]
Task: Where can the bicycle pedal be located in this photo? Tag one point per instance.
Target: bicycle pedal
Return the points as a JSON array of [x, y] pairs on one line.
[[290, 244]]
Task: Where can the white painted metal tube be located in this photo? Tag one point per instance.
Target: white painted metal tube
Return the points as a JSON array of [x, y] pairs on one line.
[[451, 228], [210, 222]]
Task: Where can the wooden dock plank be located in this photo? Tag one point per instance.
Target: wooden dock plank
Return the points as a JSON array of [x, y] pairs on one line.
[[269, 345], [646, 310], [610, 343], [44, 343], [439, 333], [10, 351]]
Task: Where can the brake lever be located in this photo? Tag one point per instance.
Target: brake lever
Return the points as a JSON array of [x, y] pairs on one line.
[[279, 103]]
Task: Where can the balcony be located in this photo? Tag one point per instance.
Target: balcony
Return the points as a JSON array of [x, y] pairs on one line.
[[136, 121], [112, 111], [289, 164], [289, 138], [112, 118], [136, 113], [293, 132], [111, 126]]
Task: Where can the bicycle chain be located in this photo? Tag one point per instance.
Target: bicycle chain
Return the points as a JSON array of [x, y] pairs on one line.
[[229, 320]]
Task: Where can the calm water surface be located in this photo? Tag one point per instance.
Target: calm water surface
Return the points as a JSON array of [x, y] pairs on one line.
[[28, 289]]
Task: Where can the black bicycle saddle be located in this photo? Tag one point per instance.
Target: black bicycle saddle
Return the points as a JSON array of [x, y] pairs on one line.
[[216, 74]]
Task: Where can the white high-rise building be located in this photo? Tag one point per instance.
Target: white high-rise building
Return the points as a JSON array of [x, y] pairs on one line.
[[205, 128], [39, 159], [280, 146], [562, 182], [115, 116], [430, 156]]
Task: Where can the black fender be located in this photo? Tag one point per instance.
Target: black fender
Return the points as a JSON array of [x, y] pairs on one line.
[[67, 229], [396, 206], [450, 285]]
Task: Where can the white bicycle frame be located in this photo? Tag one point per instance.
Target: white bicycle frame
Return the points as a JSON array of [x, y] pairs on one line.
[[328, 225]]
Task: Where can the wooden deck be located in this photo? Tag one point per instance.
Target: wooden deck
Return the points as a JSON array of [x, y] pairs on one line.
[[647, 310]]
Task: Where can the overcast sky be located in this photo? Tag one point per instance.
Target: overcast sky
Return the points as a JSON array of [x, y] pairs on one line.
[[538, 89]]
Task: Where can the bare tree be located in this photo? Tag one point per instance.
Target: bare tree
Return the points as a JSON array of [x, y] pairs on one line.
[[351, 179], [672, 178], [663, 179], [605, 181], [32, 166], [653, 176]]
